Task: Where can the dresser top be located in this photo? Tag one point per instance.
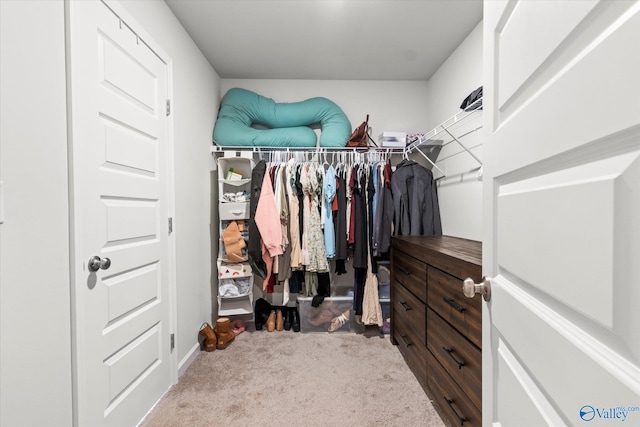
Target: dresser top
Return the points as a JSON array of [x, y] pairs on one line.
[[425, 248]]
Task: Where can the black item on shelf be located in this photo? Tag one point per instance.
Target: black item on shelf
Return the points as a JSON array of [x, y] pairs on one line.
[[473, 101]]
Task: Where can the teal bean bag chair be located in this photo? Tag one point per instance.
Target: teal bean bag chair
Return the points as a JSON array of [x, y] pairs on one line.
[[287, 124]]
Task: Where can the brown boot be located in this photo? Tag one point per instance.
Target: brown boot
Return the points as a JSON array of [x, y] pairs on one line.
[[279, 321], [210, 339], [224, 333], [271, 322]]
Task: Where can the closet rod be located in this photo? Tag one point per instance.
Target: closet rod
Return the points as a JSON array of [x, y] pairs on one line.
[[460, 174], [320, 150]]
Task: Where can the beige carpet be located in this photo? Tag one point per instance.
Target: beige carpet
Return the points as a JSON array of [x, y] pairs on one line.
[[285, 378]]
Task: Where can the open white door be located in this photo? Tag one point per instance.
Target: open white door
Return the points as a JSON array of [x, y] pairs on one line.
[[561, 334], [120, 208]]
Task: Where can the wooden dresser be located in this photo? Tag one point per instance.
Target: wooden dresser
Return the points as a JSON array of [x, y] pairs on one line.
[[438, 329]]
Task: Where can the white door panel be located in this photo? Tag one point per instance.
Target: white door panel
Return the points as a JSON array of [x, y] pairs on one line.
[[556, 204], [129, 151], [519, 55], [561, 336], [120, 176], [594, 45]]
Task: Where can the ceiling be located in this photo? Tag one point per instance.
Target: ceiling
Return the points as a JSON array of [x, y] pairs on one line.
[[327, 39]]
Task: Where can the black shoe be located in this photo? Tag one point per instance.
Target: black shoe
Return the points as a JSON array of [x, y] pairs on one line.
[[261, 313], [287, 318], [261, 319], [295, 319]]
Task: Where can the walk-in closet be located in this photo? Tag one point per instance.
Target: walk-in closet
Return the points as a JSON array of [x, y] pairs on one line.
[[196, 229]]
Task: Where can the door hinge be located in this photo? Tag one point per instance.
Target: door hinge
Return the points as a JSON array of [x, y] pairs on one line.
[[168, 107], [173, 341], [170, 225]]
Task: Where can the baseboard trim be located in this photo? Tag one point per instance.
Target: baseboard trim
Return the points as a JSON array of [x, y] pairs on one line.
[[186, 360]]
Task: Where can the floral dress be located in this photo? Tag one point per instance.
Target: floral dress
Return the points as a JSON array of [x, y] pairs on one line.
[[313, 252]]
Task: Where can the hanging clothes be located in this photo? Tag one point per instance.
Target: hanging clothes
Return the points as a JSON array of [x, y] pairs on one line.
[[282, 203], [313, 255], [267, 221], [360, 218], [355, 202], [341, 220], [371, 309], [254, 248], [415, 200], [329, 194], [370, 197], [294, 214], [383, 221]]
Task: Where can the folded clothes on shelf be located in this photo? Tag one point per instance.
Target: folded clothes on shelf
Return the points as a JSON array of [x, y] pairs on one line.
[[240, 196], [234, 287]]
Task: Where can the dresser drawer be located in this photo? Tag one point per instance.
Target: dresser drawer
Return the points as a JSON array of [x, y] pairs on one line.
[[409, 312], [452, 401], [414, 353], [461, 359], [411, 272], [446, 298]]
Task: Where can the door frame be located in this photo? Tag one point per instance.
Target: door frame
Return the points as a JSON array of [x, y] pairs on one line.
[[76, 259]]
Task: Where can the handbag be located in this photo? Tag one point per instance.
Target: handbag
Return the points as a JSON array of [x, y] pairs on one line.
[[360, 137]]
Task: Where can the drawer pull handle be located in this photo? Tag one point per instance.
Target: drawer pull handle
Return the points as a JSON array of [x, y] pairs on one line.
[[450, 403], [454, 304], [450, 353], [406, 341], [408, 273], [405, 306]]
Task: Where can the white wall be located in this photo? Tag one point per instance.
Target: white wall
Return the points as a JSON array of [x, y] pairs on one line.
[[195, 107], [391, 105], [35, 337], [460, 197]]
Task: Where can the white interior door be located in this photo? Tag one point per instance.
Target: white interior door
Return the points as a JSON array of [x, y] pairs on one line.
[[561, 335], [120, 189]]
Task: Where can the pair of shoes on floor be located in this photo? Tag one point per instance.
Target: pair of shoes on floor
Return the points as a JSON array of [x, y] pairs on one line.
[[218, 338], [286, 318], [238, 326], [291, 319], [275, 322], [276, 317]]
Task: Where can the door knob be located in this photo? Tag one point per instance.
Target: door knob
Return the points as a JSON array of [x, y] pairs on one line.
[[470, 288], [96, 263]]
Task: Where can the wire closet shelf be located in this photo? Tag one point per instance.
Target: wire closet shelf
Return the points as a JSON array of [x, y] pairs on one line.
[[419, 143]]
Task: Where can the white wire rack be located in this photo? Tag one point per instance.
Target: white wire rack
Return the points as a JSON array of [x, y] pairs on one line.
[[448, 127], [430, 140]]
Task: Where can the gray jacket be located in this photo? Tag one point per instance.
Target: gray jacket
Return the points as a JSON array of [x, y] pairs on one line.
[[415, 200]]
